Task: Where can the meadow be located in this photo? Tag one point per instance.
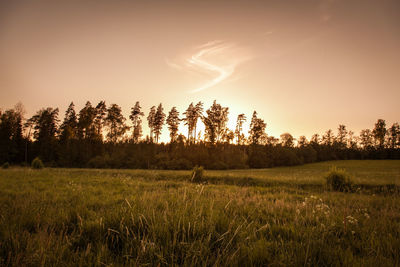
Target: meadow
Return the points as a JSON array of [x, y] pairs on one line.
[[277, 217]]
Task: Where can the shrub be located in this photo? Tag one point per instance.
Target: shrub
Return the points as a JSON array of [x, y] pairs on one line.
[[6, 165], [338, 180], [37, 163], [197, 174]]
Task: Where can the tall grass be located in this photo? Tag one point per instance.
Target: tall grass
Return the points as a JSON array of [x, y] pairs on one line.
[[74, 217]]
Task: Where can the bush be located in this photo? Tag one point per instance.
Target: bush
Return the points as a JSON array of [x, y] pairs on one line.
[[338, 180], [37, 163], [197, 174], [6, 165]]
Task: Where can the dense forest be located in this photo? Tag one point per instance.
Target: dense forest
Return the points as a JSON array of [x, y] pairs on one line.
[[99, 137]]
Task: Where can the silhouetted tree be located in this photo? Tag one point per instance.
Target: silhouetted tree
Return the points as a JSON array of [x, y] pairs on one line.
[[159, 121], [189, 120], [239, 127], [100, 117], [287, 140], [11, 135], [366, 138], [45, 131], [352, 140], [215, 122], [328, 138], [86, 127], [151, 121], [394, 136], [69, 127], [315, 140], [302, 142], [198, 113], [341, 137], [116, 123], [379, 133], [257, 129], [173, 123], [228, 136], [136, 119], [272, 141]]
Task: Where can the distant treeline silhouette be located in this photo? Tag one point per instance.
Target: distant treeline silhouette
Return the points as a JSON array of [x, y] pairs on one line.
[[99, 137]]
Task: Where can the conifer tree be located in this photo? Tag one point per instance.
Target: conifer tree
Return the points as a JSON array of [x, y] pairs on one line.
[[86, 127], [116, 123], [159, 119], [239, 127], [69, 127], [136, 119], [189, 117], [173, 123], [151, 121], [198, 113], [99, 120], [215, 122], [257, 129]]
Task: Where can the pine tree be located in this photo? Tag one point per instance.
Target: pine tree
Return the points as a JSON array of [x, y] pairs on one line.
[[189, 118], [198, 113], [99, 120], [239, 127], [151, 121], [136, 119], [116, 123], [341, 137], [173, 123], [86, 126], [159, 119], [257, 129], [69, 127], [45, 126], [215, 122]]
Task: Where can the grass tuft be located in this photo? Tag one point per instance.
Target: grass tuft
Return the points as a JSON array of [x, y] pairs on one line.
[[197, 174], [338, 180], [37, 163]]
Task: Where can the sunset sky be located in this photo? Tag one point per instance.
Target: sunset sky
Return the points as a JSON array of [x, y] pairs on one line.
[[304, 66]]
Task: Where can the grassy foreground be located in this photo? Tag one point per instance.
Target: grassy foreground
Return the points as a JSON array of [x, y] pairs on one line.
[[274, 217]]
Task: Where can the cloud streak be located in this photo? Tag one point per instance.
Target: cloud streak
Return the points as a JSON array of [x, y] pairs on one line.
[[216, 59]]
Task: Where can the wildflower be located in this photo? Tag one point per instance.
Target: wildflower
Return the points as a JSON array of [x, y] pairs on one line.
[[351, 220]]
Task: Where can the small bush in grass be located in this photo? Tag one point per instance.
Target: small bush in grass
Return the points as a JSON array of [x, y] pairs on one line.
[[6, 165], [37, 163], [338, 180], [197, 174]]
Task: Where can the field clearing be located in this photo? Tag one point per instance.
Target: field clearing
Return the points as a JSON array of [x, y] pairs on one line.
[[280, 216]]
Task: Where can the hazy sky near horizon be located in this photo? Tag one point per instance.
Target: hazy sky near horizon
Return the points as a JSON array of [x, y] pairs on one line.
[[304, 66]]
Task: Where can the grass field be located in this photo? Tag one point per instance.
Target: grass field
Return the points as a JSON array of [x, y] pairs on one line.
[[275, 217]]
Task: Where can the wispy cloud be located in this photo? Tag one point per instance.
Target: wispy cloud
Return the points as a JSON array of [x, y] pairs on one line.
[[216, 59]]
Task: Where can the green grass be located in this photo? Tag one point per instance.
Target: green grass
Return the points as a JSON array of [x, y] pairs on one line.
[[277, 217]]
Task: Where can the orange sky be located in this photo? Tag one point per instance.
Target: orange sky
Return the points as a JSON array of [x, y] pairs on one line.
[[305, 66]]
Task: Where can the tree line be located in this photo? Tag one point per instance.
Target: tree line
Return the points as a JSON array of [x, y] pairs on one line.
[[99, 136]]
